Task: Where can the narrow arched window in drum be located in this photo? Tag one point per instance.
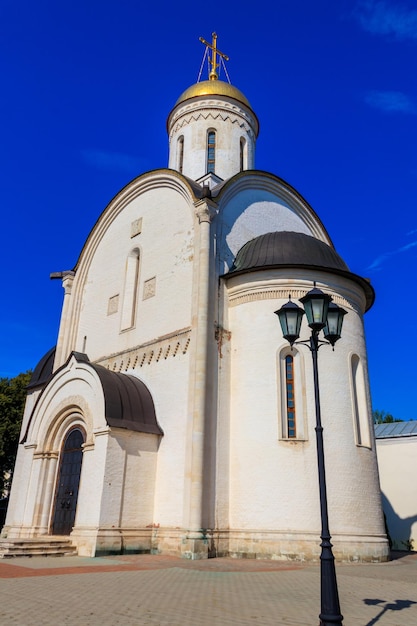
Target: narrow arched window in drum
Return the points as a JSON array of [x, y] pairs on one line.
[[211, 150], [243, 154], [180, 154]]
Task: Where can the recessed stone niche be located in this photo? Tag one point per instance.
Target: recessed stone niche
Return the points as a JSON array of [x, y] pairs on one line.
[[136, 227], [113, 305], [149, 288]]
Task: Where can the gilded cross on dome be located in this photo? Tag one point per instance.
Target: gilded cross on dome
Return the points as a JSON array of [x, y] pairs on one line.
[[213, 61]]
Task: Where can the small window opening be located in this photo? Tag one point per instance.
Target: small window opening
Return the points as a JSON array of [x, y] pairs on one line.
[[290, 396], [242, 153], [180, 154], [359, 402], [211, 150]]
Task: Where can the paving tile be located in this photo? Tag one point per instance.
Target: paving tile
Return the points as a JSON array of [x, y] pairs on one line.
[[159, 591]]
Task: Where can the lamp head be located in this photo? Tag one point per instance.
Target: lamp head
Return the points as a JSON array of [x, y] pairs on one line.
[[316, 304], [333, 328], [290, 316]]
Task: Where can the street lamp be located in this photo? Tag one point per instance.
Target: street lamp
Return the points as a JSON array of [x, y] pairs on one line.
[[322, 314]]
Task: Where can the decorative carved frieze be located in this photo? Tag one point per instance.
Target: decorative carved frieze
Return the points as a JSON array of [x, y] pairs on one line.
[[150, 353], [206, 114], [262, 293]]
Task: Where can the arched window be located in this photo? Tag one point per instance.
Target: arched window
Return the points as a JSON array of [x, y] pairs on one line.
[[290, 396], [292, 391], [243, 159], [359, 403], [211, 150], [180, 153], [131, 290]]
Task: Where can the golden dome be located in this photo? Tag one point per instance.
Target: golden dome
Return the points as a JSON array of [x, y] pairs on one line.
[[213, 88]]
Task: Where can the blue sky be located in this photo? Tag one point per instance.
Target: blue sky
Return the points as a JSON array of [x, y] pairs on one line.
[[86, 90]]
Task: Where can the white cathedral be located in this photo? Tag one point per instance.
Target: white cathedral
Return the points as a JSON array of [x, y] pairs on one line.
[[173, 417]]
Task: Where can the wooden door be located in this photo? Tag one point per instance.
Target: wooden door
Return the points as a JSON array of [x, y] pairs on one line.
[[68, 483]]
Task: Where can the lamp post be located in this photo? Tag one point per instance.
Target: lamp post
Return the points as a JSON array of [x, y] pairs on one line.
[[322, 314]]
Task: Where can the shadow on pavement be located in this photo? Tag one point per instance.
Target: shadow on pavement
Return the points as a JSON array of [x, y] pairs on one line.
[[402, 554], [397, 605]]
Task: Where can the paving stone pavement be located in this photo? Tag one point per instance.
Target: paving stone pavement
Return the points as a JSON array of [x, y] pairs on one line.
[[165, 591]]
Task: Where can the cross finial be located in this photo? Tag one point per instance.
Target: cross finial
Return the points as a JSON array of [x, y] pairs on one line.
[[213, 61]]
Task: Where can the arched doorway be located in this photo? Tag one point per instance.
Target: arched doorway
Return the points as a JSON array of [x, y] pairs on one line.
[[68, 483]]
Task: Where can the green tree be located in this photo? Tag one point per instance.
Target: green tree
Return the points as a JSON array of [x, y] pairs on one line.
[[381, 417], [12, 404]]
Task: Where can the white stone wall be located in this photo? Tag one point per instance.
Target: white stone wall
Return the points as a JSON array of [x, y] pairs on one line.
[[168, 381], [273, 482], [163, 291], [397, 461]]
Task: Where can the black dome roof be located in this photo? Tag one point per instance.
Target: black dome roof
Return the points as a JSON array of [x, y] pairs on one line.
[[128, 401], [43, 371], [291, 249], [287, 248]]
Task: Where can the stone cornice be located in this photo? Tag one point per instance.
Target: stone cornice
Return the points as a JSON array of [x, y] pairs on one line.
[[45, 454], [207, 105], [148, 353], [241, 294], [214, 114]]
